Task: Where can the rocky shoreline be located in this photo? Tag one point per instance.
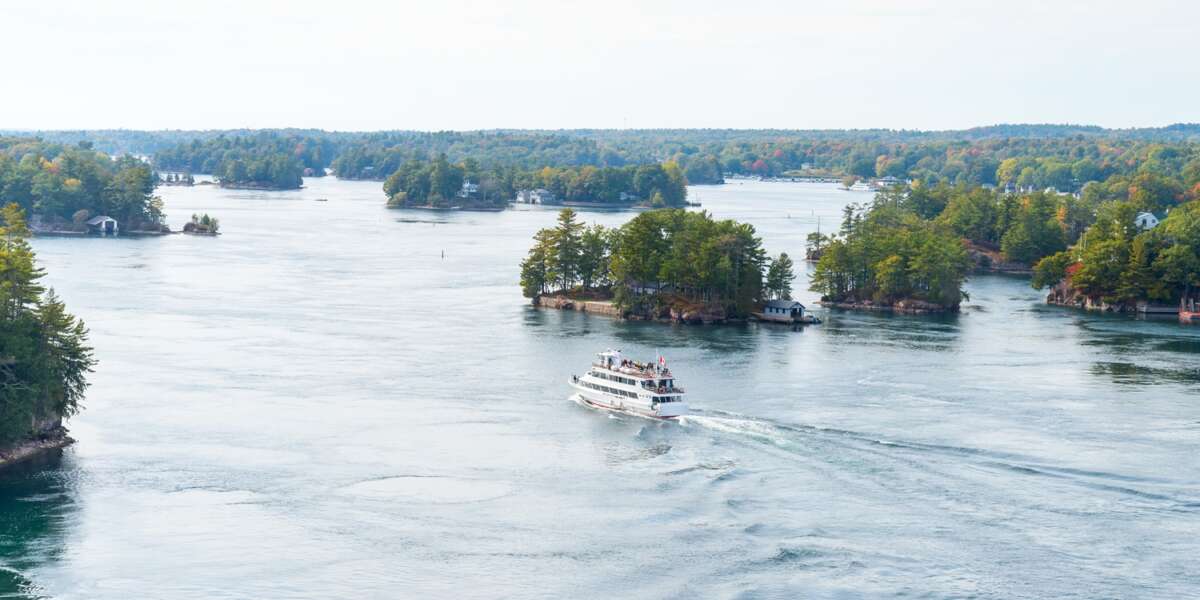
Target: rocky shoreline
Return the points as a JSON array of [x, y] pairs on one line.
[[53, 440], [908, 307], [686, 315], [261, 187]]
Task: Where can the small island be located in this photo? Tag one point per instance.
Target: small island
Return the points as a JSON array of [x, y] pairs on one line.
[[887, 258], [664, 265], [202, 225], [267, 160], [442, 185], [271, 172], [44, 356]]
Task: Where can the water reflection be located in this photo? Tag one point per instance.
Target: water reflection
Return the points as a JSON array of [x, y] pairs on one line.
[[1129, 373], [939, 333], [1185, 346], [36, 503], [724, 338]]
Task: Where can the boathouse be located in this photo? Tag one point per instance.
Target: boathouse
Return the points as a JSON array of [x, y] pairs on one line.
[[783, 310], [103, 225], [538, 196]]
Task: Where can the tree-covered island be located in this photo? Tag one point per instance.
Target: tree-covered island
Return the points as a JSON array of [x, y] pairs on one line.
[[266, 160], [65, 188], [663, 264], [887, 256], [442, 184], [44, 356]]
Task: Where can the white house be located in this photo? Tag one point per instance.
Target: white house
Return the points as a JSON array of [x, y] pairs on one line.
[[468, 189], [1146, 220]]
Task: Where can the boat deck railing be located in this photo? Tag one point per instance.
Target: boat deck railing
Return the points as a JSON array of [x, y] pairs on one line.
[[647, 372], [667, 390]]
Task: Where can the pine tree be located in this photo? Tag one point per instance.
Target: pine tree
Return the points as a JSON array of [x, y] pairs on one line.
[[44, 356], [567, 248], [780, 276]]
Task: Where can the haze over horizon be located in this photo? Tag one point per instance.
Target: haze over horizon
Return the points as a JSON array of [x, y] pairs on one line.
[[465, 65]]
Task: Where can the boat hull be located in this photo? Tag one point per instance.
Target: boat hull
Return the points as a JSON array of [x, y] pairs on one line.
[[602, 401]]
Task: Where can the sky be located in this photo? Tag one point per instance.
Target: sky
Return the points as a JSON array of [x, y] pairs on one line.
[[456, 64]]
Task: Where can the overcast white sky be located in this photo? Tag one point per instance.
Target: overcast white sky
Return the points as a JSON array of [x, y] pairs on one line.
[[454, 64]]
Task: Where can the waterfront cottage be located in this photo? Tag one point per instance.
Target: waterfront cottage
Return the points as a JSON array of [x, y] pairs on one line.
[[468, 190]]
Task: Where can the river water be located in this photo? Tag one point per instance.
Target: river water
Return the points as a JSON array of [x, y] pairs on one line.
[[335, 400]]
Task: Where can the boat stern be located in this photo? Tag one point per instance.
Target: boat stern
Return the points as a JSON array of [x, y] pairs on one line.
[[670, 410]]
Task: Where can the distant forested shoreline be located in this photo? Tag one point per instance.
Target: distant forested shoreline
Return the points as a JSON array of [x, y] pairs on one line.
[[1030, 156]]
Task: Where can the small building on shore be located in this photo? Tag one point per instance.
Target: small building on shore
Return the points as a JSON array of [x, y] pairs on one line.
[[785, 311], [468, 190], [538, 196], [103, 225]]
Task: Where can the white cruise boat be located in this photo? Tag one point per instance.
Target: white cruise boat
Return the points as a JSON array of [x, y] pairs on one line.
[[617, 383], [861, 186]]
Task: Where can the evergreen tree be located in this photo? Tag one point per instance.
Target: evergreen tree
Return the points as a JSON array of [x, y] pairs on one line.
[[593, 256], [780, 276], [535, 269], [44, 356], [568, 245]]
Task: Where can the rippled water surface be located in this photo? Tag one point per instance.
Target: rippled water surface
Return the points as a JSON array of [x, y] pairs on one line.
[[335, 400]]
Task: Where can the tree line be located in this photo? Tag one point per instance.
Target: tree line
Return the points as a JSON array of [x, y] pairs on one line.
[[44, 355], [1022, 157], [656, 258], [1061, 156]]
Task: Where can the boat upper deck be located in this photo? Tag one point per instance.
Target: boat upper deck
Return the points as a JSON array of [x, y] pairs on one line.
[[656, 378], [637, 371]]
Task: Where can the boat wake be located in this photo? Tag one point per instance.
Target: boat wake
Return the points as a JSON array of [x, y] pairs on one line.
[[846, 448], [844, 451]]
